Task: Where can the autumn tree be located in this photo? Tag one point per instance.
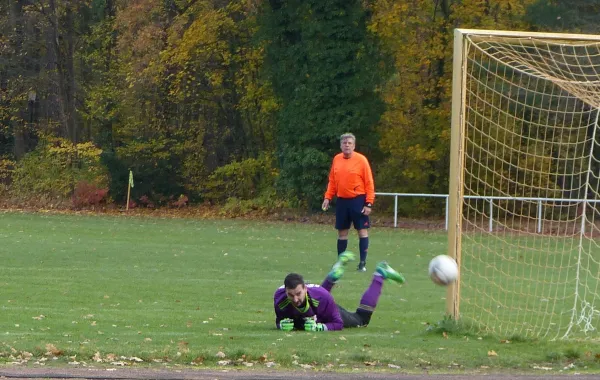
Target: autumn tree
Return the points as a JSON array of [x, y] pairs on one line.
[[415, 128], [191, 100]]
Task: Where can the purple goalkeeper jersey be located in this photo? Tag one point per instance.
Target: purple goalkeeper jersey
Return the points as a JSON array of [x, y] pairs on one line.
[[320, 305]]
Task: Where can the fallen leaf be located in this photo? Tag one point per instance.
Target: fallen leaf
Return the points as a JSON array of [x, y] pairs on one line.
[[97, 357], [506, 341], [492, 353], [569, 366], [220, 355], [370, 364], [26, 355], [52, 350], [198, 360], [263, 358]]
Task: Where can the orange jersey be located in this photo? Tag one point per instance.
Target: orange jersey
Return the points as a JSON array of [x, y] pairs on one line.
[[350, 177]]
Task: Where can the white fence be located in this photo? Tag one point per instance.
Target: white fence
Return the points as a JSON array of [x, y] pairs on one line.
[[491, 204]]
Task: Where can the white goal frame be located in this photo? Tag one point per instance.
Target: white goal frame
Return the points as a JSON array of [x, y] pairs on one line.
[[457, 149]]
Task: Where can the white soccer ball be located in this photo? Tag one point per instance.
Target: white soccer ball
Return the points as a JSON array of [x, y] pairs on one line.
[[443, 270]]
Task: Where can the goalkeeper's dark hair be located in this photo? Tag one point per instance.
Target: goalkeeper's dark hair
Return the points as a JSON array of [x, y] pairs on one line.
[[292, 280]]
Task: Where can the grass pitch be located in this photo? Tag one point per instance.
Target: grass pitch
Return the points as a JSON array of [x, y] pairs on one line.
[[132, 291]]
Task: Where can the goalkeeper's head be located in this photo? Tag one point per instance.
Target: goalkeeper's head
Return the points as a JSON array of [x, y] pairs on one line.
[[295, 288]]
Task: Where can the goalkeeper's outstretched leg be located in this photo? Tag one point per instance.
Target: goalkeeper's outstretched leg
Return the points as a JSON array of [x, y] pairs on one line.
[[337, 270], [370, 297]]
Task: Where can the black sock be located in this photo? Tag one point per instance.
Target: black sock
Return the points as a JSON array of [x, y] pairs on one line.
[[363, 245], [342, 244]]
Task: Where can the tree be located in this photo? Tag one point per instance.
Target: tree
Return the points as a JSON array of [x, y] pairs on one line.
[[577, 16], [326, 68], [415, 128], [190, 98]]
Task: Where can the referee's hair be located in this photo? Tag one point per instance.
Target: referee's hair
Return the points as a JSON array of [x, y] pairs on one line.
[[347, 135]]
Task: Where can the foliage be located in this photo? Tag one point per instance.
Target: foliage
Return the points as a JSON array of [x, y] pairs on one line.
[[7, 168], [203, 84], [155, 166], [564, 16], [326, 69], [244, 180], [415, 128], [265, 204], [87, 194], [193, 96], [56, 166]]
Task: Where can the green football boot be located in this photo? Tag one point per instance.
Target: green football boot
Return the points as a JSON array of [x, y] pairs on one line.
[[388, 273], [337, 270]]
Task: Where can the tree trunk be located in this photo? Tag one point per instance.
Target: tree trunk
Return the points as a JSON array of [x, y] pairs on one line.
[[63, 49]]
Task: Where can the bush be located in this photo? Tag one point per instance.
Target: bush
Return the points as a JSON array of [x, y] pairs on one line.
[[266, 204], [243, 180], [7, 168], [55, 168], [87, 194]]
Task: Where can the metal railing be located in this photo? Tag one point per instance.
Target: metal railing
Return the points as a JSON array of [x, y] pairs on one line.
[[490, 199]]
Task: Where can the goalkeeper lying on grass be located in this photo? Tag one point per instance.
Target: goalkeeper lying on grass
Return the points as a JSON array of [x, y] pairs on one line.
[[311, 307]]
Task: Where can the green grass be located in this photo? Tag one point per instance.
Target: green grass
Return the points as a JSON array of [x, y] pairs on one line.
[[180, 291]]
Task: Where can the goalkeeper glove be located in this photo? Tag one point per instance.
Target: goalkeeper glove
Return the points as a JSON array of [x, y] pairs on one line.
[[286, 324], [312, 325]]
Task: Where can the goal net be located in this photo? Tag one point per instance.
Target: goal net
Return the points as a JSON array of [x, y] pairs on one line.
[[524, 183]]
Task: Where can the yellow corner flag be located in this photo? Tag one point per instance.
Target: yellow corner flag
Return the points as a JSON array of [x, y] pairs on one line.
[[129, 189]]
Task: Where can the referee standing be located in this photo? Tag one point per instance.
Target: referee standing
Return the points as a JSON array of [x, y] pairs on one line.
[[351, 180]]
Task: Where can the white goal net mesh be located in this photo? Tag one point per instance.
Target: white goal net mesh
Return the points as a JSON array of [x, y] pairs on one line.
[[530, 167]]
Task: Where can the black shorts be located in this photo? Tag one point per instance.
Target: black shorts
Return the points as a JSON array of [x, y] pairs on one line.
[[348, 211], [357, 319]]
